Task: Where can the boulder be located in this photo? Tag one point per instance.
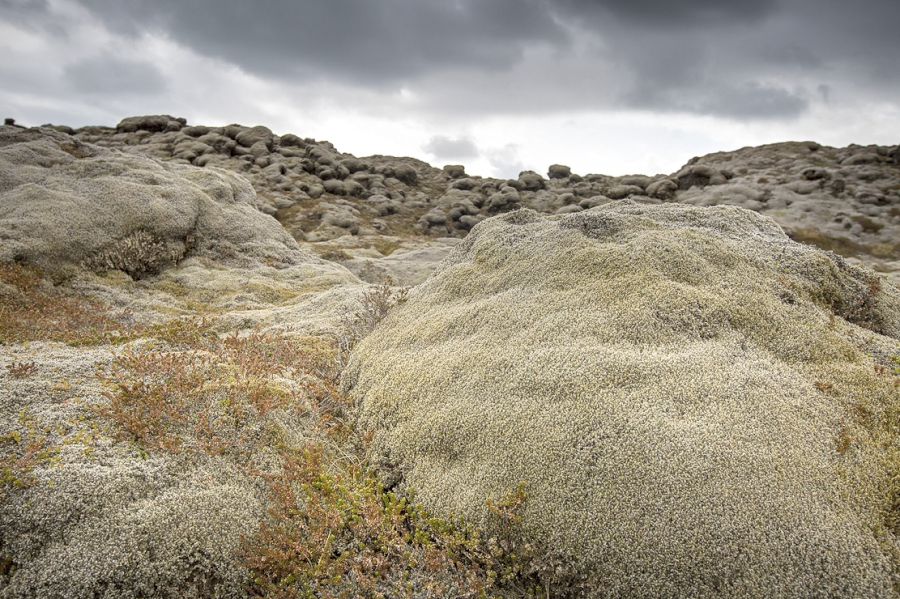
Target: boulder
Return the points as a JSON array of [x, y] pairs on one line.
[[320, 155], [664, 189], [342, 218], [531, 181], [354, 165], [465, 184], [249, 137], [221, 143], [514, 183], [435, 216], [291, 140], [894, 154], [559, 171], [815, 173], [618, 192], [454, 171], [469, 221], [694, 404], [153, 124], [594, 201], [196, 131], [355, 189], [503, 199], [405, 173], [233, 130], [641, 181], [861, 158], [699, 175], [334, 186], [260, 149], [462, 208], [62, 129]]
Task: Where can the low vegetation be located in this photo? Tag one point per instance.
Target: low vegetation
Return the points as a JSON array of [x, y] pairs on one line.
[[332, 529], [33, 309]]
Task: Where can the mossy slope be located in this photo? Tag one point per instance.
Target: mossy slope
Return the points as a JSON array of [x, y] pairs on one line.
[[690, 398]]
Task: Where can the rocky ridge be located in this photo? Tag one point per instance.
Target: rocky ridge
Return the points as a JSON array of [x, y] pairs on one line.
[[841, 199]]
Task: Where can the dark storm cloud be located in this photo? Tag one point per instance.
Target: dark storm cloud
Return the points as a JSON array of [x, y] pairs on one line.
[[384, 41], [446, 148], [740, 60], [111, 76], [753, 59]]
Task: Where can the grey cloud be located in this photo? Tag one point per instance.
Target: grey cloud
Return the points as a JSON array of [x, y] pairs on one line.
[[505, 161], [32, 15], [753, 101], [739, 60], [740, 63], [666, 13], [111, 76], [368, 42], [445, 148], [20, 11]]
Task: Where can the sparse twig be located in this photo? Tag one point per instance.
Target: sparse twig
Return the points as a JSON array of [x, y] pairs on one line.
[[21, 370]]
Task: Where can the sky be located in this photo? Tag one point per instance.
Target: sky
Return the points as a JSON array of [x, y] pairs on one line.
[[603, 86]]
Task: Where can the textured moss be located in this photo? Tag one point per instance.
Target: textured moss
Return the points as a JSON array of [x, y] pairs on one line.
[[687, 394]]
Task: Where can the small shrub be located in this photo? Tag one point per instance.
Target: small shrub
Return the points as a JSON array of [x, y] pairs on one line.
[[214, 393], [21, 450], [21, 369], [139, 254], [339, 534], [372, 307], [335, 255]]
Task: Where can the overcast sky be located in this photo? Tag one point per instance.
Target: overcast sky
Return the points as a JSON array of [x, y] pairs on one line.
[[604, 86]]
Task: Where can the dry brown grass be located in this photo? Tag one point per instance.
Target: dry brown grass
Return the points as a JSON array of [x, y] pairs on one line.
[[32, 309], [212, 393]]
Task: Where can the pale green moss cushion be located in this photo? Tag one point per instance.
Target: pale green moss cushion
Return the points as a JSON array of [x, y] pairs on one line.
[[679, 388]]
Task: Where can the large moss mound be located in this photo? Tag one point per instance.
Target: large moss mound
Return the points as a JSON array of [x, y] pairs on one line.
[[697, 405]]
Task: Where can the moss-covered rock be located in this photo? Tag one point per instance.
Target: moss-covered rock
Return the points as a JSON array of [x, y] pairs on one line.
[[66, 205], [697, 405]]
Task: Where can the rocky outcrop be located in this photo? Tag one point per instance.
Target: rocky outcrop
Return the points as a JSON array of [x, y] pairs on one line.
[[841, 199], [696, 404], [86, 207]]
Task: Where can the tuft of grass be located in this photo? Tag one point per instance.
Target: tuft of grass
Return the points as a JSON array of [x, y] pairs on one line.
[[21, 451], [385, 247]]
